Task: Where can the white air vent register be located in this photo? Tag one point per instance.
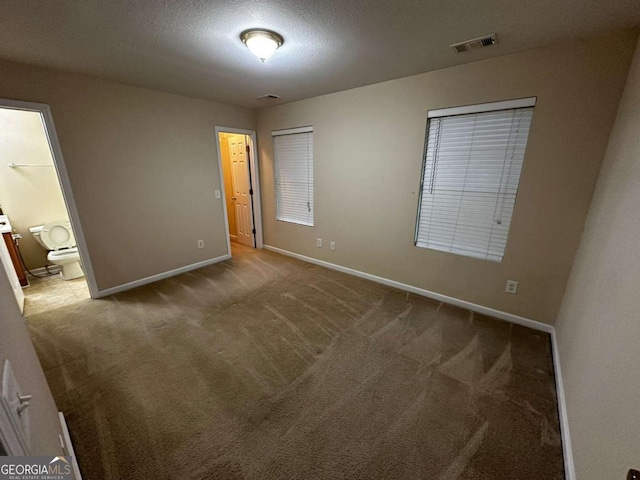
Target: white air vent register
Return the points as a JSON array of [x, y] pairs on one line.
[[476, 43]]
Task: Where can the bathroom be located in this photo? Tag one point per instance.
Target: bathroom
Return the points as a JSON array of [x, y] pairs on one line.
[[37, 234]]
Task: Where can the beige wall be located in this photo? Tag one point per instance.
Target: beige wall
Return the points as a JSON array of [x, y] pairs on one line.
[[368, 145], [143, 167], [16, 347], [228, 184], [29, 196], [598, 328]]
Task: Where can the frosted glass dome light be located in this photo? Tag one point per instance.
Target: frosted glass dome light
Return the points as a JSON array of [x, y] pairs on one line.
[[262, 43]]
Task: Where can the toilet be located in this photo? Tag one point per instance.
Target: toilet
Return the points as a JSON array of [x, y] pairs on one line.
[[58, 238]]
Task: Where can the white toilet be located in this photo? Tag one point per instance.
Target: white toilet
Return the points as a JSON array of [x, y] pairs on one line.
[[58, 238]]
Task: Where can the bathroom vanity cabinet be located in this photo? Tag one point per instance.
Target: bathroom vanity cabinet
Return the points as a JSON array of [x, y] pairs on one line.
[[15, 259], [7, 259]]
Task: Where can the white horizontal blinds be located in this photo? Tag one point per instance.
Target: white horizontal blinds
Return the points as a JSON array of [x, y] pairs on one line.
[[294, 177], [470, 180]]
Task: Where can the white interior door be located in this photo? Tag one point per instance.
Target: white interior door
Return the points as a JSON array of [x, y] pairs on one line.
[[241, 187]]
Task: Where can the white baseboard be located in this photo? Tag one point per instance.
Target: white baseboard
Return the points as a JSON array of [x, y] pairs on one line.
[[509, 317], [569, 467], [160, 276], [69, 447]]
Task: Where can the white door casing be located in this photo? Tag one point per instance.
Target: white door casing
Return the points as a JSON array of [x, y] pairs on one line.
[[254, 167], [65, 184]]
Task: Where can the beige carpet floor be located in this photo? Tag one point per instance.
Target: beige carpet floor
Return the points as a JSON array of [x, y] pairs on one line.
[[265, 367]]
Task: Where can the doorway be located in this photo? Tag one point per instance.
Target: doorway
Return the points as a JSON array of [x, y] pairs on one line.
[[40, 225], [239, 171]]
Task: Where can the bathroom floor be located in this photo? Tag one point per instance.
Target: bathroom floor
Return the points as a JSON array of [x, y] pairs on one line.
[[53, 292]]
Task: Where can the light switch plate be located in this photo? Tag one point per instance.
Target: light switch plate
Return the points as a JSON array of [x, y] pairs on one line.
[[218, 194]]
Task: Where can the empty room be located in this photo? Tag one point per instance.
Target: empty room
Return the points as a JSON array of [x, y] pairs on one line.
[[319, 240]]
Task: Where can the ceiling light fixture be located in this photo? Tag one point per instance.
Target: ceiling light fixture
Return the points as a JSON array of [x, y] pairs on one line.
[[262, 43]]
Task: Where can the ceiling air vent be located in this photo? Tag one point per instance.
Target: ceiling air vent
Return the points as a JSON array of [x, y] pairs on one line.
[[268, 96], [479, 42]]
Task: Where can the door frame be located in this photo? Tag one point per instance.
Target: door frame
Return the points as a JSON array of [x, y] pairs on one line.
[[239, 196], [255, 180], [63, 180]]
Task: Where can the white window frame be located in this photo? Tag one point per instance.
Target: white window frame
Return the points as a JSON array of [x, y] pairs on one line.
[[457, 246], [289, 217]]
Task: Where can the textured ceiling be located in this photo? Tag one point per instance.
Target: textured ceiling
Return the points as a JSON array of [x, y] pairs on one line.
[[192, 47]]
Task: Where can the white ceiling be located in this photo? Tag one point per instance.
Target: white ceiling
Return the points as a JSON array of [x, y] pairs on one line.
[[192, 47]]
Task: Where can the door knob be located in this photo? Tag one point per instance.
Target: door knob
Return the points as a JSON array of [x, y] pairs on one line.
[[23, 406], [233, 198], [24, 398]]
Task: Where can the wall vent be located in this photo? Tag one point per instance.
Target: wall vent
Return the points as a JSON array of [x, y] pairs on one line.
[[269, 96], [479, 42]]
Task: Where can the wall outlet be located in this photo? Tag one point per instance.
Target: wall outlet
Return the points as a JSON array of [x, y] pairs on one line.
[[200, 243], [332, 245], [512, 287], [218, 194], [319, 242]]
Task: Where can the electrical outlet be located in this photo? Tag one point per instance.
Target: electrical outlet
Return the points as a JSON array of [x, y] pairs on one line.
[[218, 194], [200, 243], [319, 242], [332, 245], [512, 287]]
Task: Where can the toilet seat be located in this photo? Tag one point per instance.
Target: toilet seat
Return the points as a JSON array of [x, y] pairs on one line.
[[58, 235], [68, 252]]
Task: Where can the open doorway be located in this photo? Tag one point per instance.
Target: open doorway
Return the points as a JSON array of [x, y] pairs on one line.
[[239, 169], [43, 247]]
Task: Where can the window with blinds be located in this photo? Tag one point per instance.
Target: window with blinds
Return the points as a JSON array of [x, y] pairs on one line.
[[293, 156], [472, 164]]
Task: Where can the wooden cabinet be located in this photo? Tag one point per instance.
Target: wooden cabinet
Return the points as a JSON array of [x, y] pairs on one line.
[[15, 259]]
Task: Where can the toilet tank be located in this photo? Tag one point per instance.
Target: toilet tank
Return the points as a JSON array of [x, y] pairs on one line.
[[35, 231]]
